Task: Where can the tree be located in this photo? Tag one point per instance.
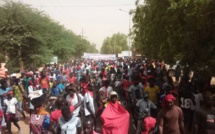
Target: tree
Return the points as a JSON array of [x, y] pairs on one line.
[[30, 37], [115, 44], [176, 30]]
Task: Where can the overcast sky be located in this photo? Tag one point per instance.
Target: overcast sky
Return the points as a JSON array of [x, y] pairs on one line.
[[97, 18]]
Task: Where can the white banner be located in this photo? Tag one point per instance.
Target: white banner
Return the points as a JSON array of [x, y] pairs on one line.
[[99, 56]]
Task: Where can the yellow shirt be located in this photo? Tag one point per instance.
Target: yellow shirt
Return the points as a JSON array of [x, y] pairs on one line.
[[50, 84], [153, 93]]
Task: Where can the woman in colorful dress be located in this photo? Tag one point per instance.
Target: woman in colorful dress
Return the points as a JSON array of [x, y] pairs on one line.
[[40, 118]]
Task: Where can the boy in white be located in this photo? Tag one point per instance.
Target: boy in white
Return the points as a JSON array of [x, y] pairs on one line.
[[89, 108], [11, 111], [69, 124], [72, 98]]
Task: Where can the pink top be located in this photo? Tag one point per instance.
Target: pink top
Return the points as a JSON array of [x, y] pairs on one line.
[[55, 115], [95, 132], [1, 115], [72, 80], [149, 123]]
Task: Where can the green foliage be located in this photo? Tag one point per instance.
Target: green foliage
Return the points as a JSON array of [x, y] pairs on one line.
[[176, 30], [28, 35], [115, 44]]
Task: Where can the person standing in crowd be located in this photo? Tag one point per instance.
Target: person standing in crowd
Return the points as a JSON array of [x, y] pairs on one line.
[[141, 86], [4, 89], [115, 118], [141, 106], [104, 93], [26, 81], [170, 118], [146, 123], [87, 75], [68, 123], [89, 108], [84, 85], [125, 86], [55, 89], [135, 96], [145, 104], [79, 73], [196, 102], [40, 118], [11, 112], [73, 99], [56, 114], [204, 117], [185, 99], [18, 93], [88, 127], [44, 82], [37, 77], [64, 77], [153, 91], [177, 73], [72, 79]]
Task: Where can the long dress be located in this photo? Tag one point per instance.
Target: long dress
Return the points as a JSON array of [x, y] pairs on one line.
[[115, 119]]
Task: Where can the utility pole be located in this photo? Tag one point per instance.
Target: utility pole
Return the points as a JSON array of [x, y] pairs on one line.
[[129, 30], [82, 34]]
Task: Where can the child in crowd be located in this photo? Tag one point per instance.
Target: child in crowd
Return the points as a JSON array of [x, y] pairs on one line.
[[88, 127], [11, 112]]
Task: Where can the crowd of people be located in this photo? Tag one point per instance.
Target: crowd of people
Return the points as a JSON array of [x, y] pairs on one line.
[[117, 97]]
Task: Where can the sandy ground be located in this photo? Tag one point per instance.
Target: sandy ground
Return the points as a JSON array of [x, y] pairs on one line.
[[24, 125]]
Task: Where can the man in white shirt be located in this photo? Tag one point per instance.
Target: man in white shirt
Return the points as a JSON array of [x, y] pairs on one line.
[[89, 108], [105, 91], [72, 98], [68, 123]]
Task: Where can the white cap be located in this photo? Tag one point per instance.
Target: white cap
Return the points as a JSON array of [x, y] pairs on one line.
[[113, 93], [13, 75]]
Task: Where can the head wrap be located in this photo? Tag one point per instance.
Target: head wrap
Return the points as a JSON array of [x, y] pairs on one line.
[[10, 92], [168, 98]]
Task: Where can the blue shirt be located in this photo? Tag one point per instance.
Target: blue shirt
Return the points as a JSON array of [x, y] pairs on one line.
[[55, 91], [79, 74], [58, 78], [61, 86]]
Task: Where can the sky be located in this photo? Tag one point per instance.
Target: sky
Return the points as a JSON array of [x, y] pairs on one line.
[[95, 19]]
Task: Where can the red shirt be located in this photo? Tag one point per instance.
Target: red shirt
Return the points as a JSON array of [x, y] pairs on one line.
[[85, 88], [1, 115], [72, 80], [44, 83], [126, 84], [55, 115]]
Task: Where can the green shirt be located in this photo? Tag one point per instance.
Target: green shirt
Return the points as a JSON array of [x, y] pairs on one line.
[[17, 93]]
